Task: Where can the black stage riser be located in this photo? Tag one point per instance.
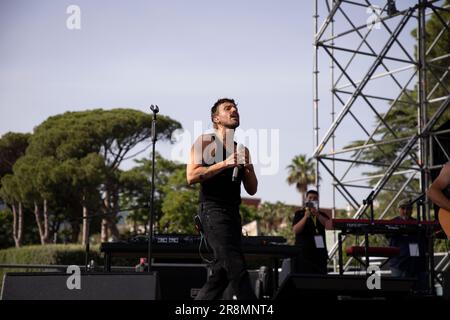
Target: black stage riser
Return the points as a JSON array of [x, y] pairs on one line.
[[181, 281], [334, 287], [98, 286], [446, 285]]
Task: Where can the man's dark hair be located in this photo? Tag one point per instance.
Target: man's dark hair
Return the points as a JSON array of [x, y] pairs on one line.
[[217, 104], [311, 191]]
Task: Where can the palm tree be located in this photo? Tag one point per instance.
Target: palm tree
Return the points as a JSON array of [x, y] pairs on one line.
[[302, 173]]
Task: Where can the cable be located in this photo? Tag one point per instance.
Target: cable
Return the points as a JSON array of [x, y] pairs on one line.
[[203, 239]]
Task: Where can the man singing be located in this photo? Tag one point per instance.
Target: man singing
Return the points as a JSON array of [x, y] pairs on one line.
[[216, 163]]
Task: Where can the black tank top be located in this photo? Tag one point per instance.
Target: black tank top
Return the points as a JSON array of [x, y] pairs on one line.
[[221, 188]]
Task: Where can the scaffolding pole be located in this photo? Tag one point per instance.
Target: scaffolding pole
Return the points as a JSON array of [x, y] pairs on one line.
[[334, 22]]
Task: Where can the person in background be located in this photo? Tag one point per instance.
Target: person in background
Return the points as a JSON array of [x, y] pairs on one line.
[[309, 228], [411, 262]]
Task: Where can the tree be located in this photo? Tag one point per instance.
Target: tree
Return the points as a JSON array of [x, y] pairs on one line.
[[9, 193], [34, 189], [248, 213], [111, 134], [12, 147], [136, 189], [6, 240], [180, 204], [275, 217], [71, 167], [301, 173], [81, 178]]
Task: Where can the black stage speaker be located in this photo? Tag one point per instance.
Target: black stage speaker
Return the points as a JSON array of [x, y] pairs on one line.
[[446, 285], [180, 281], [93, 286], [261, 282], [337, 287]]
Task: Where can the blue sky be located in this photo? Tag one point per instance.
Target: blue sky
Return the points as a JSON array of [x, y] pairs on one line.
[[181, 55]]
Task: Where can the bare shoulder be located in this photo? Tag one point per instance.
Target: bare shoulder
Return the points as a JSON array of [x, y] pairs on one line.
[[444, 177], [200, 151], [203, 141], [445, 172], [446, 168]]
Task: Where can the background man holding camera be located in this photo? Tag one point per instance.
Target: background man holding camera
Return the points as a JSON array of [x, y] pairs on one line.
[[309, 229]]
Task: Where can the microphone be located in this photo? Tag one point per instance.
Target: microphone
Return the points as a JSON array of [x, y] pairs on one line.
[[240, 151], [154, 108]]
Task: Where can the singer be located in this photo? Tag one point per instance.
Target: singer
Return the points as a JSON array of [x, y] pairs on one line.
[[220, 166]]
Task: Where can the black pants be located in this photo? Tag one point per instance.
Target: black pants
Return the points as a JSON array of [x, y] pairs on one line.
[[222, 227]]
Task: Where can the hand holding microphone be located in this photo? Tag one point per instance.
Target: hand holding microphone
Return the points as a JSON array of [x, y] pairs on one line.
[[240, 161]]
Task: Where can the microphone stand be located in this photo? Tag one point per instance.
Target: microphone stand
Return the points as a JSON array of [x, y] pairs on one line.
[[369, 202], [87, 242], [155, 110]]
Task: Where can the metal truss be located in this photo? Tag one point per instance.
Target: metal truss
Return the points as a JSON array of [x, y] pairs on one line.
[[367, 82]]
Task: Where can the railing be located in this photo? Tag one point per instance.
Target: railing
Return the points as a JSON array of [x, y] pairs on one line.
[[95, 268], [54, 266]]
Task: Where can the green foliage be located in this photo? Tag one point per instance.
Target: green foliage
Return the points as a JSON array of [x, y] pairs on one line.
[[441, 245], [30, 234], [301, 173], [287, 232], [136, 188], [180, 204], [72, 160], [248, 214], [9, 191], [434, 27], [12, 147], [111, 133], [58, 254], [276, 219], [6, 238], [46, 255]]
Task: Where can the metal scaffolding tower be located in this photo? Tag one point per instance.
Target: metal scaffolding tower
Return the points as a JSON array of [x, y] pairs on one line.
[[377, 68]]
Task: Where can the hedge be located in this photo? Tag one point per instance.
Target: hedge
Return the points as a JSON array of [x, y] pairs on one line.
[[52, 254]]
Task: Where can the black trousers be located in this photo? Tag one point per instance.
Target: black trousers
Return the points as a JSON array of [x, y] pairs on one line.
[[222, 228]]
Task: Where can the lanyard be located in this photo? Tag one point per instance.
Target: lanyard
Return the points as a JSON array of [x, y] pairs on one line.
[[314, 219]]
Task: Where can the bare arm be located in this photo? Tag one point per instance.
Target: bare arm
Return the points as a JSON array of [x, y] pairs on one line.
[[300, 226], [249, 179], [196, 171], [324, 220], [435, 191]]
